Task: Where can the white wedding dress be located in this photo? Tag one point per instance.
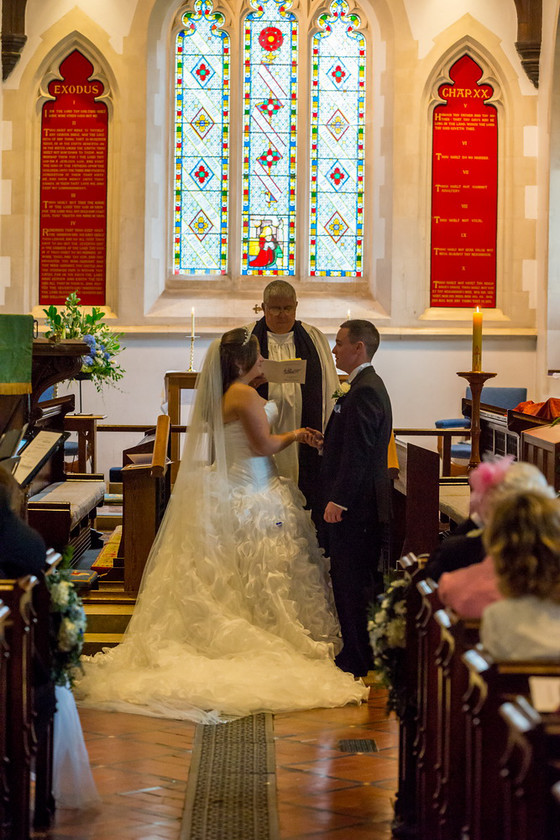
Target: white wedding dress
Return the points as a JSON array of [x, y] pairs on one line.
[[238, 625]]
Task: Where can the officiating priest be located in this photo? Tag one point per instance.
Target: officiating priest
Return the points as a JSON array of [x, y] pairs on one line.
[[282, 337]]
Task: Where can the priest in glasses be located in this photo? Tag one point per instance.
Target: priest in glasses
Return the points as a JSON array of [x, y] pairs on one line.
[[282, 337]]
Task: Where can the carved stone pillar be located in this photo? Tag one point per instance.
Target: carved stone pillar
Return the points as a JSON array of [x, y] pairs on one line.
[[529, 36], [13, 34]]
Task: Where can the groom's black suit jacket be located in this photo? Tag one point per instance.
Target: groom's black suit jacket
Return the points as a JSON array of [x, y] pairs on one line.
[[354, 463], [354, 474]]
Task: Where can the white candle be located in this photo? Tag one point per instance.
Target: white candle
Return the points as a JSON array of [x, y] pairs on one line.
[[192, 322], [477, 340], [348, 315]]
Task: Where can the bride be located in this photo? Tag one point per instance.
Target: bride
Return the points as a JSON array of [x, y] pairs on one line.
[[235, 613]]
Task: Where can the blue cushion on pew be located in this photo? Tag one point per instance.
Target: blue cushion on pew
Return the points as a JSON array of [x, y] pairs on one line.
[[501, 397], [461, 450], [454, 423]]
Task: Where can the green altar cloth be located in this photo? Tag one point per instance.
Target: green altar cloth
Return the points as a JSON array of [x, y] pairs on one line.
[[16, 350]]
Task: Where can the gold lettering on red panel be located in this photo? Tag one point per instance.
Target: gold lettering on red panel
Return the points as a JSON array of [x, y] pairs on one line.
[[73, 211], [464, 192]]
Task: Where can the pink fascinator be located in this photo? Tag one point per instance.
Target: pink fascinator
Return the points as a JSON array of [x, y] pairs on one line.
[[487, 475]]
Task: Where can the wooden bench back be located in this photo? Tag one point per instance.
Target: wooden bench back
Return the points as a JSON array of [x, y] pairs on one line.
[[489, 685], [19, 737]]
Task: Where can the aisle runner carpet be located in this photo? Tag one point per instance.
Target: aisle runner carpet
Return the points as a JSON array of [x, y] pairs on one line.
[[231, 789]]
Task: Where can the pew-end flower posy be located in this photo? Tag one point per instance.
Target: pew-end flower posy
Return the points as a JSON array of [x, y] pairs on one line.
[[69, 624], [104, 344], [387, 633]]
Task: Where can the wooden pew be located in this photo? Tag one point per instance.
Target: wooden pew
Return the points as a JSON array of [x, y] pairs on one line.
[[4, 787], [44, 804], [454, 767], [146, 491], [27, 688], [455, 638], [490, 684], [405, 804], [427, 768], [541, 446], [419, 495], [17, 596], [529, 770]]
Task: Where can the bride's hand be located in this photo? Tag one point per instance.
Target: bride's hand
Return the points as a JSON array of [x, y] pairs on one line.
[[302, 436], [308, 436]]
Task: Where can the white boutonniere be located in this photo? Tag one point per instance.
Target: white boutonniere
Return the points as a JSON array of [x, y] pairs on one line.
[[341, 391]]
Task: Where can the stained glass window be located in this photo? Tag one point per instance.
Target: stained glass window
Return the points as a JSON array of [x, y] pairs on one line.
[[202, 57], [269, 140], [337, 145], [272, 229]]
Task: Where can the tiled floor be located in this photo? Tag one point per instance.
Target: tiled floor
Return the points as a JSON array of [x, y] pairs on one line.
[[141, 765]]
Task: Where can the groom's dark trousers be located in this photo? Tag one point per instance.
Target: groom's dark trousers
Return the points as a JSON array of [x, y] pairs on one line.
[[354, 475]]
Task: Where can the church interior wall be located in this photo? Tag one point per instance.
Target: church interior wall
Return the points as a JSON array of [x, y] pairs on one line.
[[420, 373], [413, 45]]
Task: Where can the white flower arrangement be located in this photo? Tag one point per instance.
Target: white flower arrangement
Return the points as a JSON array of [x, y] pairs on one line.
[[341, 391], [387, 633], [103, 344], [60, 594], [69, 624]]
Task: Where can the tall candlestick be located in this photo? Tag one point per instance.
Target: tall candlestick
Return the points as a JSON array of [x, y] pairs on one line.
[[477, 340], [191, 369]]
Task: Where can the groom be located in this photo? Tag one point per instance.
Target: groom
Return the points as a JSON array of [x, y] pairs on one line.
[[356, 489]]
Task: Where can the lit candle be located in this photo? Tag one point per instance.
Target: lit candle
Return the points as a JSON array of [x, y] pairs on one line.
[[192, 322], [477, 340], [348, 315]]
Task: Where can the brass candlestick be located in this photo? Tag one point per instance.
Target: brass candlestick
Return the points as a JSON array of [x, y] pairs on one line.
[[476, 379], [191, 360]]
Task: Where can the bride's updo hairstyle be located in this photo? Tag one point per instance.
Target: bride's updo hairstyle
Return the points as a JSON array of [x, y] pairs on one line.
[[238, 353]]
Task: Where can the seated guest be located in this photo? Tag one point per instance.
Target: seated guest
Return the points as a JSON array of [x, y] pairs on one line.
[[523, 540], [22, 549], [469, 590], [489, 482]]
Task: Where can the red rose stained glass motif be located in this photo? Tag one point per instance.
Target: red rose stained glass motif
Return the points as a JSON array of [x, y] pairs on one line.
[[270, 107], [269, 158], [271, 38], [202, 71], [338, 74], [337, 176], [201, 174]]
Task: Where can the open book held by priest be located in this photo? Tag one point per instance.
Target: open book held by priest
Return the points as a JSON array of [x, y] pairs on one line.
[[285, 370]]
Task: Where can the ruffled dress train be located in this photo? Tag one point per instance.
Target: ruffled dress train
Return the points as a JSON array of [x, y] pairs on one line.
[[229, 625]]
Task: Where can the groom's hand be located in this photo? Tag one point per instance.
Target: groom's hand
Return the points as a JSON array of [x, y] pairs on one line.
[[316, 438], [333, 513]]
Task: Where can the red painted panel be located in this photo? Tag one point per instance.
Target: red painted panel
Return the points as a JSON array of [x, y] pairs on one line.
[[464, 192], [73, 214]]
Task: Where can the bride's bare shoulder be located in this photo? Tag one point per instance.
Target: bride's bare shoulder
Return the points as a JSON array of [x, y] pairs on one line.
[[240, 399], [239, 391]]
